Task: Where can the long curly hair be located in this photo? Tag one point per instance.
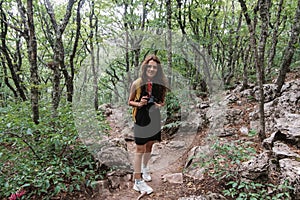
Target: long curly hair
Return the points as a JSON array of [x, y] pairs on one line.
[[159, 81]]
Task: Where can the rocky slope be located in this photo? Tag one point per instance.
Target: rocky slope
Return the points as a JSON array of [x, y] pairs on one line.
[[177, 162]]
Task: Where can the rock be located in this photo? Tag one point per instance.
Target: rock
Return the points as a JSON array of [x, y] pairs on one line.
[[106, 109], [268, 142], [203, 105], [290, 168], [114, 156], [244, 130], [254, 125], [281, 156], [228, 132], [290, 171], [233, 116], [119, 142], [209, 196], [214, 196], [201, 197], [249, 94], [156, 149], [281, 151], [269, 92], [232, 98], [216, 115], [119, 182], [290, 124], [287, 137], [127, 134], [102, 187], [176, 144], [173, 178], [196, 156], [254, 115], [256, 167]]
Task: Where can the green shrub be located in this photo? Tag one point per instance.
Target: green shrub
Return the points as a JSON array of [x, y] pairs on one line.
[[43, 159], [226, 157], [257, 191]]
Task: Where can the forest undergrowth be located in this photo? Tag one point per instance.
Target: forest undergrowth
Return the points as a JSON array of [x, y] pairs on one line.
[[49, 161]]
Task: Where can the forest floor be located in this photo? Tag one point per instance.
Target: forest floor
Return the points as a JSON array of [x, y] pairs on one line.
[[164, 190], [190, 187]]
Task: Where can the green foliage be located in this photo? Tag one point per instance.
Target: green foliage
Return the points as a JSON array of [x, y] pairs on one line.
[[252, 133], [226, 157], [230, 154], [172, 103], [257, 191], [43, 159], [251, 98]]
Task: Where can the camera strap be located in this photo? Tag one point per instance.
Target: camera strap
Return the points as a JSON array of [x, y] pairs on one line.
[[149, 88]]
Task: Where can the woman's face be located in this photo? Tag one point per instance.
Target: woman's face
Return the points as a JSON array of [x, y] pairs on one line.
[[151, 70]]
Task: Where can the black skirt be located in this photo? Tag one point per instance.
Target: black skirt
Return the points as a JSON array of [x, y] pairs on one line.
[[148, 125]]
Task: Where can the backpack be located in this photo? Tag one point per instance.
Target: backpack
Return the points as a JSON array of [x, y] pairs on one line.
[[137, 97]]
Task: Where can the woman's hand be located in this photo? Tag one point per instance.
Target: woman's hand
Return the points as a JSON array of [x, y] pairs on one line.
[[158, 105], [144, 101]]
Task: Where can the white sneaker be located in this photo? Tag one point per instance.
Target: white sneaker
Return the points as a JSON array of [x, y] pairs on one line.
[[142, 186], [146, 175]]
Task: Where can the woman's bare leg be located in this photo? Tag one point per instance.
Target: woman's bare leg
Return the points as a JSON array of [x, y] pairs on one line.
[[140, 150], [147, 154]]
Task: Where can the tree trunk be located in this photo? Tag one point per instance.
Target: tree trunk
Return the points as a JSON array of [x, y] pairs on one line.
[[258, 64], [70, 83], [179, 15], [136, 60], [59, 54], [6, 80], [32, 54], [129, 79], [264, 8], [289, 51], [92, 54], [272, 51], [246, 61], [19, 91], [56, 89], [233, 53], [169, 38]]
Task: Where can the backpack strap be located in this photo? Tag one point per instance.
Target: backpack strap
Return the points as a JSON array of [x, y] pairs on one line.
[[138, 92]]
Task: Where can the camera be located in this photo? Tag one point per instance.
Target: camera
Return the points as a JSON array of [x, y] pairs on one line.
[[151, 100]]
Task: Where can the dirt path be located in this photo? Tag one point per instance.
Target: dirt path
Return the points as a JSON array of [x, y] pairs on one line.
[[162, 190], [164, 161]]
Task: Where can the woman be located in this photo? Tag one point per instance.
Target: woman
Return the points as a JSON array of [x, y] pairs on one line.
[[147, 95]]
